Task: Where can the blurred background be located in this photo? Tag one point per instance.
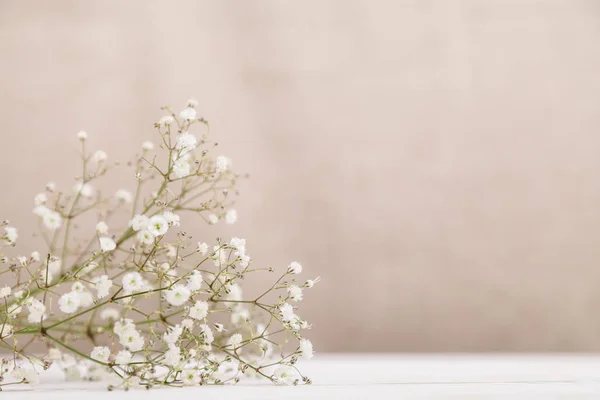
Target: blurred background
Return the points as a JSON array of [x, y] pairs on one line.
[[437, 163]]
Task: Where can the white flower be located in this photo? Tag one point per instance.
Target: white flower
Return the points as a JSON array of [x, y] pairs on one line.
[[35, 256], [139, 222], [181, 168], [101, 228], [82, 135], [187, 324], [52, 220], [172, 334], [171, 251], [294, 268], [306, 348], [194, 281], [199, 310], [158, 225], [173, 356], [202, 248], [40, 199], [295, 292], [186, 142], [222, 164], [231, 216], [22, 260], [239, 245], [51, 186], [172, 219], [124, 196], [133, 282], [311, 282], [188, 114], [84, 189], [28, 375], [132, 340], [100, 353], [177, 295], [190, 377], [69, 302], [99, 156], [109, 314], [54, 354], [123, 327], [166, 120], [244, 260], [10, 234], [103, 285], [235, 292], [207, 333], [123, 357], [287, 312], [213, 219], [239, 316], [107, 244], [147, 145], [219, 256], [5, 292], [41, 210], [235, 339], [192, 103], [146, 237], [36, 310], [6, 331]]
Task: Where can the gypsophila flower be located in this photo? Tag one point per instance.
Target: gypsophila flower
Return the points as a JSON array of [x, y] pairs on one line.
[[311, 282], [295, 268], [99, 156], [101, 228], [107, 244], [146, 237], [10, 235], [158, 225], [190, 377], [54, 354], [123, 357], [139, 222], [124, 196], [187, 324], [306, 349], [199, 310], [295, 292], [103, 285], [147, 145], [172, 219], [213, 219], [186, 142], [69, 302], [177, 295], [35, 256], [195, 281], [82, 135], [202, 248], [132, 340], [109, 314], [5, 292], [133, 282], [40, 198], [181, 168], [51, 186], [52, 220], [172, 335], [285, 375], [231, 216], [36, 310], [287, 312], [100, 353], [41, 210], [235, 340], [222, 164], [166, 120], [239, 245], [84, 189], [188, 114], [192, 103]]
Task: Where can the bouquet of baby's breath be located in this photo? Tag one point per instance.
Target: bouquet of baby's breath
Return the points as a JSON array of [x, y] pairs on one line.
[[137, 301]]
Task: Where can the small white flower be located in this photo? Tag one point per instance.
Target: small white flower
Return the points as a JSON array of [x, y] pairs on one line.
[[239, 316], [213, 219], [133, 282], [285, 375], [177, 295], [5, 292], [239, 245], [40, 198], [172, 334], [41, 210], [100, 353], [311, 282], [186, 142], [244, 260], [181, 168], [18, 294], [101, 228], [199, 310], [147, 145], [103, 285], [132, 340], [69, 302], [235, 340], [6, 331], [306, 348], [194, 281], [107, 244], [222, 164], [28, 375], [10, 234], [192, 103], [123, 327], [172, 219], [287, 312], [124, 196], [51, 186], [202, 248], [295, 293], [173, 356], [123, 357], [231, 216], [166, 120], [82, 135], [54, 354], [139, 222], [187, 324], [84, 189], [35, 256], [158, 225], [36, 310], [22, 260], [188, 114], [109, 314], [207, 333], [190, 377], [146, 237], [99, 156], [294, 268], [52, 220]]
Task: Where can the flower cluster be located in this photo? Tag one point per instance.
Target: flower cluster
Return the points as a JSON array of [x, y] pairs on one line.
[[137, 300]]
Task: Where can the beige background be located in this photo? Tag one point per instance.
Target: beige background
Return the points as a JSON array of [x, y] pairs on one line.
[[436, 162]]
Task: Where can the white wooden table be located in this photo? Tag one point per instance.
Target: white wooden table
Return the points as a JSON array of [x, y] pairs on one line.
[[342, 377]]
